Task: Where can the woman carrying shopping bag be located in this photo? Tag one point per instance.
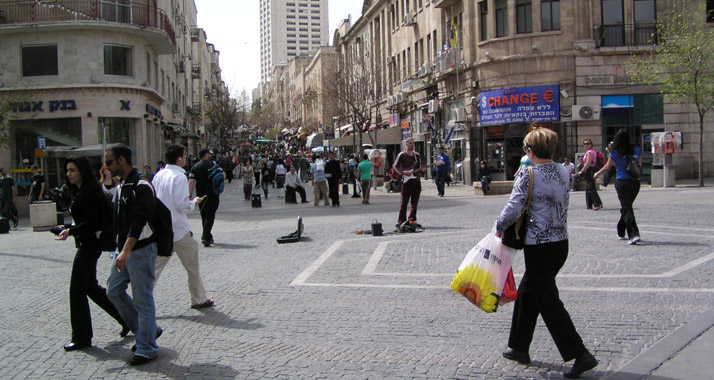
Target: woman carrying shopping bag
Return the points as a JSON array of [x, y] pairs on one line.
[[545, 252]]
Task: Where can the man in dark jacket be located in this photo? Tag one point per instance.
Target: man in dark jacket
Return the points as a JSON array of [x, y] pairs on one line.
[[198, 178], [136, 260], [333, 172]]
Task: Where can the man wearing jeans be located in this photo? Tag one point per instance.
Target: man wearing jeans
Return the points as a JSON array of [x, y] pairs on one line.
[[136, 260], [443, 168], [172, 189]]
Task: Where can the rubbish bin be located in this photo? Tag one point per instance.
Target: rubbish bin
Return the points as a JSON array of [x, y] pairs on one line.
[[43, 215], [657, 176]]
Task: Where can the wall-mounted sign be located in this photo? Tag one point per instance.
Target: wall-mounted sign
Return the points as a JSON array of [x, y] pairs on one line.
[[55, 105], [153, 111], [519, 105], [125, 105]]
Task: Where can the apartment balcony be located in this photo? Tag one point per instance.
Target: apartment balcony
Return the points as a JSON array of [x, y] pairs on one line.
[[138, 18], [447, 61], [626, 35], [445, 3]]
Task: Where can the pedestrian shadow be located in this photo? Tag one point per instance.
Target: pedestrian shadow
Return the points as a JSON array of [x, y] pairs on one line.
[[42, 258], [232, 246], [163, 365], [551, 368], [213, 317], [444, 228], [672, 243]]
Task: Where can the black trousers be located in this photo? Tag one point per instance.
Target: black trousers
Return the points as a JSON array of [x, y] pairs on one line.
[[538, 295], [82, 284], [333, 190], [592, 198], [208, 216], [411, 191], [627, 190], [290, 193]]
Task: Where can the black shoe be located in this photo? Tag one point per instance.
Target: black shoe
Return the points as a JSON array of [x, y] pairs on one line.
[[72, 346], [15, 224], [139, 360], [585, 362], [206, 243], [159, 331], [305, 202], [519, 356], [124, 331]]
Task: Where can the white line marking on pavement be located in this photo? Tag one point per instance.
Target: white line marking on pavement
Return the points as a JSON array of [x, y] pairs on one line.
[[371, 266], [302, 277]]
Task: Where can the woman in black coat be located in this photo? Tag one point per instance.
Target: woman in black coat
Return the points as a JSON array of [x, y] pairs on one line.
[[86, 193]]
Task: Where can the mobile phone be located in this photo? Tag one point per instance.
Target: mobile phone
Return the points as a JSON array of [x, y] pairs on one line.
[[56, 230]]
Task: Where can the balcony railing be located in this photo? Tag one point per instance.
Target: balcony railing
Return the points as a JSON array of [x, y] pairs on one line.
[[136, 13], [447, 60], [626, 35]]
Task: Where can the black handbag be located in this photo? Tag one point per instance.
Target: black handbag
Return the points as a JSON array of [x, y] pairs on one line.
[[515, 235], [633, 169]]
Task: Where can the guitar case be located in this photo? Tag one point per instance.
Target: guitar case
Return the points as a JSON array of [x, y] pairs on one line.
[[295, 236]]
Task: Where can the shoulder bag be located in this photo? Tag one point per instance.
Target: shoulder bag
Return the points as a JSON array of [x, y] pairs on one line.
[[515, 235], [633, 169]]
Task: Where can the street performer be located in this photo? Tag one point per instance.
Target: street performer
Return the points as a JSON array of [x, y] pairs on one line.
[[408, 164]]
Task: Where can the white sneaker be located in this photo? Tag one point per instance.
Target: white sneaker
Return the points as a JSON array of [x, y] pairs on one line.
[[634, 240]]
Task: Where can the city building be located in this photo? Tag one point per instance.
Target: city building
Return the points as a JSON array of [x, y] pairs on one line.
[[87, 73], [288, 29], [474, 76]]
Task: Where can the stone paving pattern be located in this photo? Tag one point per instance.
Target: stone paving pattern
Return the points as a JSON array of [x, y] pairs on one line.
[[401, 321]]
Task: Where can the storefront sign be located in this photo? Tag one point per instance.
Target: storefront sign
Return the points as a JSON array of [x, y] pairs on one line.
[[125, 105], [153, 111], [519, 105], [55, 105]]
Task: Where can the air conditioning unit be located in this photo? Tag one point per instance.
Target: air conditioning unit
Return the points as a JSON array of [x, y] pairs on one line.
[[400, 98], [427, 68], [433, 106], [409, 19], [460, 114], [390, 100], [586, 112], [182, 67], [175, 107]]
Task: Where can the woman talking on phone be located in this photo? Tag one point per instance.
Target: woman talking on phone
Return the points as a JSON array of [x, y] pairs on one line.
[[86, 197]]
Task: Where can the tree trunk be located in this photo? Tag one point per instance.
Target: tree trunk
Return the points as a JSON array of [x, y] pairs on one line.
[[701, 150]]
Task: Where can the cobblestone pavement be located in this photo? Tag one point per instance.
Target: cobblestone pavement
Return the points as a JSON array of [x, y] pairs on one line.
[[344, 306]]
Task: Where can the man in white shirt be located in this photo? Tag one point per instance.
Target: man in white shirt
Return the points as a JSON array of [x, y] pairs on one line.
[[171, 187], [293, 184], [571, 170]]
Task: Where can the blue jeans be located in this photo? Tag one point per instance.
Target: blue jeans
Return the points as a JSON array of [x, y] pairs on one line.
[[441, 180], [140, 313]]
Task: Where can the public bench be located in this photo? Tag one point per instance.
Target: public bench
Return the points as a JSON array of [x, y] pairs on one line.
[[497, 187]]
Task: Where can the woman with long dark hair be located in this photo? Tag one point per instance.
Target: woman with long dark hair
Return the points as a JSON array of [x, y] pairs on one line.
[[626, 186], [86, 193]]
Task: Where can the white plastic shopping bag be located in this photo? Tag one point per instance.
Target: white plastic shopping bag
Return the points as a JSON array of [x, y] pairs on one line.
[[482, 274]]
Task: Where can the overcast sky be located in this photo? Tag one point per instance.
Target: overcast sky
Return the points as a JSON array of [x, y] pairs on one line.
[[233, 26]]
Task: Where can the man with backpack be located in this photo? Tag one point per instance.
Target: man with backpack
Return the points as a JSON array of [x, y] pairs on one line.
[[172, 189], [136, 257], [591, 164], [206, 177]]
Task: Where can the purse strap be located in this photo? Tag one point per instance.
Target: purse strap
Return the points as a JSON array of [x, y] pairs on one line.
[[530, 188]]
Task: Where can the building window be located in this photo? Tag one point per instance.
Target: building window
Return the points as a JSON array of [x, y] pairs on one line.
[[483, 19], [645, 17], [613, 28], [117, 60], [39, 60], [710, 10], [524, 16], [501, 18], [550, 15]]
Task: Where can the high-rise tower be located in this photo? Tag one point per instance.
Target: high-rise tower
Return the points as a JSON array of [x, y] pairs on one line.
[[290, 28]]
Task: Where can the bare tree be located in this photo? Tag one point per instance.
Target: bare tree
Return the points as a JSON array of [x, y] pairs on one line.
[[682, 64], [351, 91], [226, 115]]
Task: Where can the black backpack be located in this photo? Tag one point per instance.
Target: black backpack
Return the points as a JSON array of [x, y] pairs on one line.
[[160, 224], [107, 239], [216, 179]]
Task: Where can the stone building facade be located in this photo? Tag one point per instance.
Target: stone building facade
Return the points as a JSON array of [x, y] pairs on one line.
[[475, 75], [92, 72]]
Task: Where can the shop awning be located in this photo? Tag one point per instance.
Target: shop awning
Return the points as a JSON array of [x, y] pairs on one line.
[[314, 140]]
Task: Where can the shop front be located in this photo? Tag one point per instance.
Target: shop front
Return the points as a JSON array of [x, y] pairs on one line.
[[506, 116]]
